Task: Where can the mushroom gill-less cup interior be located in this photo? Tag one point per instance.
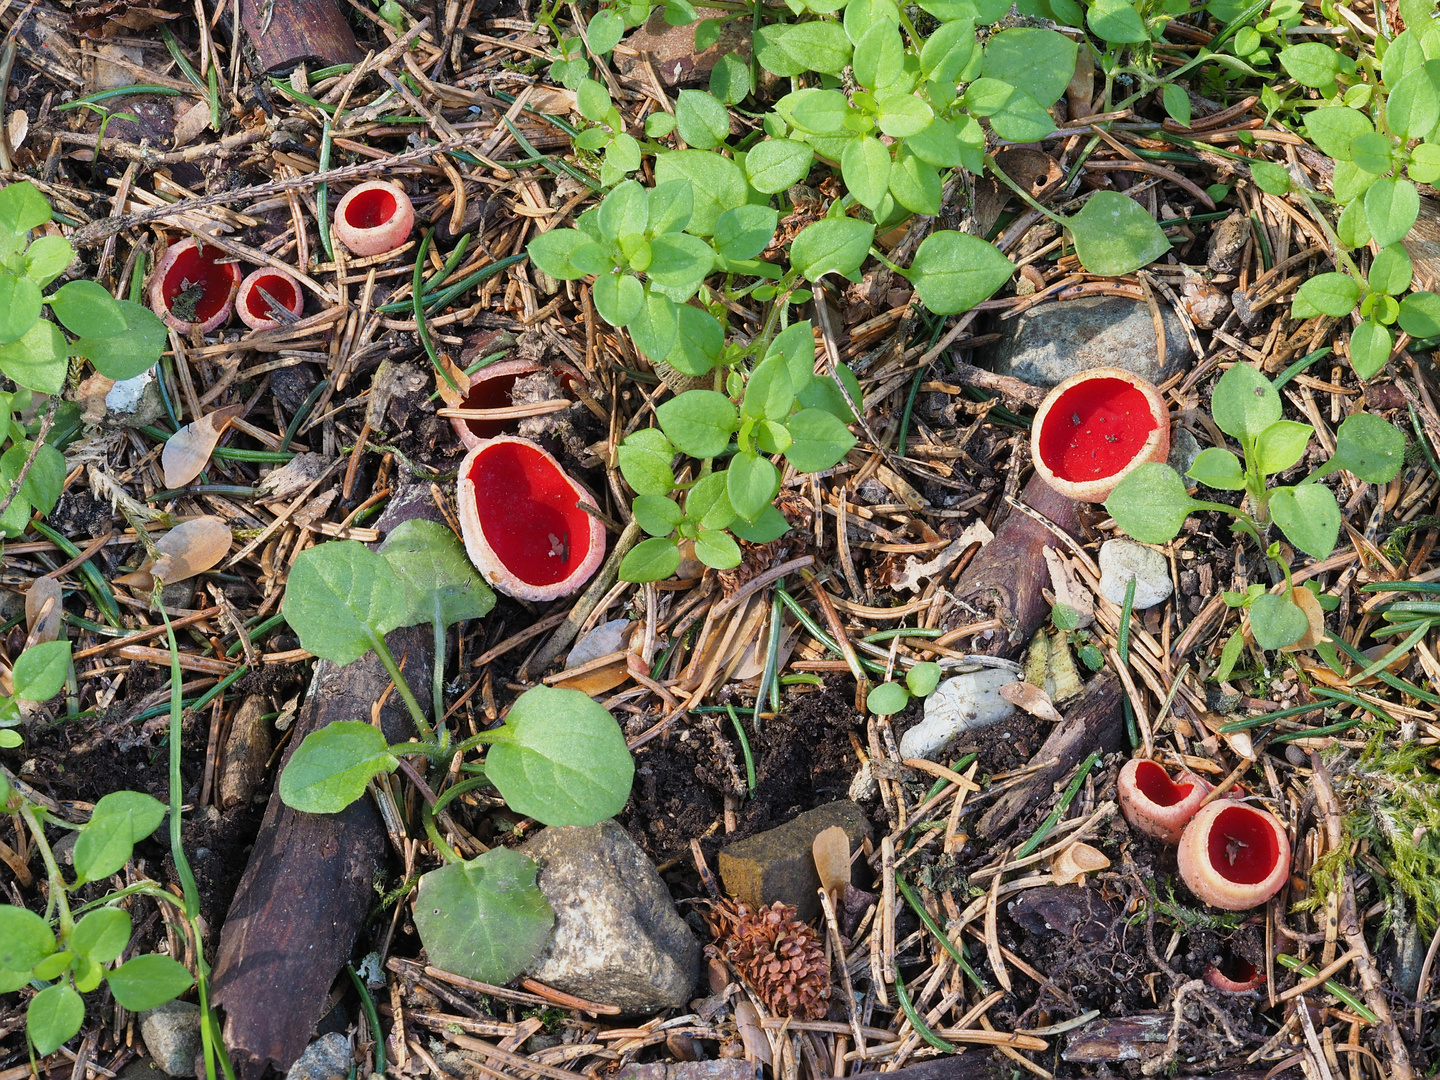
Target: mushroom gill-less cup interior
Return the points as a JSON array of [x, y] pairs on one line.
[[491, 388], [190, 280], [1155, 803], [1234, 857], [1234, 974], [373, 218], [253, 307], [1094, 428], [521, 522]]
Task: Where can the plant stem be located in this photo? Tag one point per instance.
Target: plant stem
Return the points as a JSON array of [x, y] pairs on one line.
[[437, 672], [52, 871], [1034, 204], [422, 725]]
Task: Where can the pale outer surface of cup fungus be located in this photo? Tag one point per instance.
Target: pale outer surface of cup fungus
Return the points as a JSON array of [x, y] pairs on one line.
[[1218, 978], [1094, 428], [1156, 803], [252, 307], [520, 522], [189, 274], [374, 217], [1233, 856]]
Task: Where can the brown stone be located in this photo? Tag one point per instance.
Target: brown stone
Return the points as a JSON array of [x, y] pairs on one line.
[[778, 864], [672, 48]]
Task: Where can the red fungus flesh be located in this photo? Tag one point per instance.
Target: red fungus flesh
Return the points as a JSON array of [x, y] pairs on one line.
[[1095, 429], [370, 209], [281, 289], [1155, 784], [528, 513], [197, 268], [1242, 846]]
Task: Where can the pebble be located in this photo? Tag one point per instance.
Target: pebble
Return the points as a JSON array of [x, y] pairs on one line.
[[1184, 449], [172, 1035], [965, 703], [327, 1058], [779, 863], [1121, 560], [1055, 340]]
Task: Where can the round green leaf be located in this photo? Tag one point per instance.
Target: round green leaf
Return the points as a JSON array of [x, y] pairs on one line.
[[102, 934], [1114, 235], [1369, 447], [887, 698], [551, 251], [1117, 22], [619, 298], [131, 353], [1218, 468], [835, 245], [820, 441], [53, 1016], [39, 359], [1244, 403], [954, 271], [87, 309], [1370, 345], [439, 579], [716, 549], [1276, 621], [25, 938], [923, 678], [751, 482], [1269, 177], [776, 164], [656, 514], [650, 560], [1308, 516], [1151, 503], [1420, 315], [1413, 106], [645, 458], [41, 669], [1391, 207], [47, 258], [330, 769], [865, 168], [19, 306], [484, 919], [702, 121], [1391, 271], [149, 981], [1331, 294], [717, 183], [338, 595], [1039, 62], [1281, 445], [698, 422]]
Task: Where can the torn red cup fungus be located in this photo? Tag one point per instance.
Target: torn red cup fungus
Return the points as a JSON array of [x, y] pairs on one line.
[[1094, 428], [373, 218], [265, 291], [191, 289], [1156, 804], [1234, 974], [492, 387], [1234, 857], [520, 519]]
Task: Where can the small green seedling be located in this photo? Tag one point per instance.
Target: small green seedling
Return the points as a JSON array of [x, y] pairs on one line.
[[890, 697], [559, 757], [39, 674], [64, 957], [1152, 503]]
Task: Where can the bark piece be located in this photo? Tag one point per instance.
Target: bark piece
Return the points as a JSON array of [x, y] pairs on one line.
[[305, 893], [290, 32], [247, 751]]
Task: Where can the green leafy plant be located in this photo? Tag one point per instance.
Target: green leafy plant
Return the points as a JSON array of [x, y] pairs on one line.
[[63, 956], [1152, 503], [559, 757], [38, 675], [890, 697]]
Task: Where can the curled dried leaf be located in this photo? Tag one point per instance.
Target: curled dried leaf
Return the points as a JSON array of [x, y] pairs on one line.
[[191, 548], [832, 860], [1074, 862], [188, 451], [1307, 602], [42, 610], [747, 1020], [1030, 698]]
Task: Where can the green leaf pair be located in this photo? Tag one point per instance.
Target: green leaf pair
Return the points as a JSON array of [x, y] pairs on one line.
[[890, 697]]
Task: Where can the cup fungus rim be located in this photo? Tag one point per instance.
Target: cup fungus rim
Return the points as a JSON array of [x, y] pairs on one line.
[[1156, 446], [1162, 821], [515, 365], [380, 239], [161, 306], [1206, 881], [490, 563], [242, 297]]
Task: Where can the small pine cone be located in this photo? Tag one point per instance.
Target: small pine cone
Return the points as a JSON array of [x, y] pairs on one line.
[[781, 957]]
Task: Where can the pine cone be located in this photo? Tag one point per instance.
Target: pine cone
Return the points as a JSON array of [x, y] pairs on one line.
[[781, 957]]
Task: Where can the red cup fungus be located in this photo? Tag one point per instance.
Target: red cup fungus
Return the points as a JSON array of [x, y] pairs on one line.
[[1233, 856], [491, 388], [253, 303], [1234, 974], [1156, 804], [191, 289], [1094, 428], [521, 523], [374, 217]]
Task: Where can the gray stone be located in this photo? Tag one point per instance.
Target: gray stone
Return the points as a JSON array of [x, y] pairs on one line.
[[723, 1069], [617, 939], [327, 1058], [967, 702], [1121, 560], [779, 864], [1184, 449], [172, 1035], [1053, 341]]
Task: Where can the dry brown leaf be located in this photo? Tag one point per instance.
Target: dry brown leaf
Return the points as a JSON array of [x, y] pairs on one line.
[[18, 126], [188, 451], [1072, 864], [1307, 602], [191, 548], [191, 122], [747, 1020], [42, 610], [1030, 698], [831, 850]]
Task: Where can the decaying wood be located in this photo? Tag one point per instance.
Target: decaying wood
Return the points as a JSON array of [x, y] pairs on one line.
[[1006, 580], [303, 899], [1094, 721], [290, 32]]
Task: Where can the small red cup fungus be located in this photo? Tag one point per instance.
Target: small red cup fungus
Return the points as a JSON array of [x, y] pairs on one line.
[[374, 217], [521, 523], [1234, 974], [1156, 804], [491, 388], [191, 289], [1234, 857], [1095, 427], [258, 290]]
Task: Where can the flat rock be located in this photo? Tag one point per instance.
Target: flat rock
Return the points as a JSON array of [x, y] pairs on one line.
[[778, 864], [672, 48], [617, 939], [1053, 341], [965, 703], [172, 1035], [1121, 560], [327, 1058]]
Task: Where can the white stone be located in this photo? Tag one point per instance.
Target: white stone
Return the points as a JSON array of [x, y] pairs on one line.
[[1121, 560], [608, 637], [961, 704], [172, 1035]]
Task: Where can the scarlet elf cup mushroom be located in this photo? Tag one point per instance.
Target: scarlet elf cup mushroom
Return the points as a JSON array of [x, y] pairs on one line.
[[492, 387], [1156, 804], [262, 293], [1094, 428], [191, 289], [374, 217], [522, 523], [1233, 856]]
